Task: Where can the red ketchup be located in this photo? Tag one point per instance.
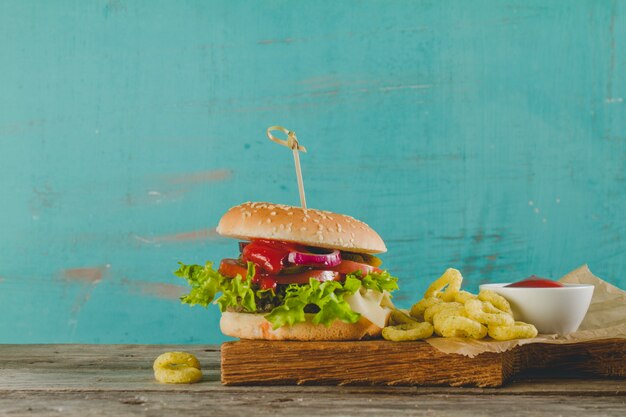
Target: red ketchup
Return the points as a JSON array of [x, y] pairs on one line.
[[268, 255], [535, 282]]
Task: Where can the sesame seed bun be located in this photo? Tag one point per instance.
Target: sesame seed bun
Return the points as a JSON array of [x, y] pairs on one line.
[[311, 227], [254, 326]]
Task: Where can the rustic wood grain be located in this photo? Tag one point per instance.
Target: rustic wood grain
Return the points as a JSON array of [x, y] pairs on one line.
[[599, 358], [259, 403], [103, 380], [358, 363], [412, 363]]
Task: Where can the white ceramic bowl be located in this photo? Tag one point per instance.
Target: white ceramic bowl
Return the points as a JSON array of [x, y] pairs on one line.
[[552, 310]]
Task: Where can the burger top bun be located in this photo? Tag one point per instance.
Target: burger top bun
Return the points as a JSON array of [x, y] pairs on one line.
[[310, 227]]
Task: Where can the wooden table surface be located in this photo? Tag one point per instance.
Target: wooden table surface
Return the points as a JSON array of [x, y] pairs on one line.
[[117, 380]]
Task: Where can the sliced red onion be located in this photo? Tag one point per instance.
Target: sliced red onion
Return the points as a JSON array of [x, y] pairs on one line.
[[316, 259]]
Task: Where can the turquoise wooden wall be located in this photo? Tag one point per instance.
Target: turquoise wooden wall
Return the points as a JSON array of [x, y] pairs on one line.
[[487, 135]]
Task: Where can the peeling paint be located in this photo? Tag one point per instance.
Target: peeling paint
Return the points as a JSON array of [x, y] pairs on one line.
[[155, 289], [161, 290], [88, 278], [200, 234], [155, 197], [91, 275], [199, 177]]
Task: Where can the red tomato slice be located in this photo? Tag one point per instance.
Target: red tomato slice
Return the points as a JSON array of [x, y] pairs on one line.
[[348, 267], [266, 282], [231, 267]]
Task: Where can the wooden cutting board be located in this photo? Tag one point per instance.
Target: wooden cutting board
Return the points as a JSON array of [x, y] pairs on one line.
[[380, 362]]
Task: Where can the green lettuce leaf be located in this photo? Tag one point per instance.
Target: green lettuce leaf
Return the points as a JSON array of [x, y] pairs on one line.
[[327, 296], [379, 281], [205, 282], [288, 304]]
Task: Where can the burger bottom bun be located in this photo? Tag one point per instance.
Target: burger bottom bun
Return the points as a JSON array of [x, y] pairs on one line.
[[254, 326]]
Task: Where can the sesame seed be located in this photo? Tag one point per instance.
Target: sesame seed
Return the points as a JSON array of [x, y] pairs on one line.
[[303, 229], [289, 213], [273, 213], [268, 220]]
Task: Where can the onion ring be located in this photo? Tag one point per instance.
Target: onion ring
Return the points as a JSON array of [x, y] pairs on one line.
[[408, 332], [314, 259], [485, 313], [463, 296], [417, 311], [399, 317], [519, 330], [438, 308], [450, 280], [177, 368], [497, 300], [459, 326]]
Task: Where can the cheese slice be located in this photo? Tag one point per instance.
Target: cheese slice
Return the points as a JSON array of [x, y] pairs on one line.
[[373, 305]]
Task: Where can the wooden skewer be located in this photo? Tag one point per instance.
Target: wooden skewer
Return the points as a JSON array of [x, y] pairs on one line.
[[292, 143]]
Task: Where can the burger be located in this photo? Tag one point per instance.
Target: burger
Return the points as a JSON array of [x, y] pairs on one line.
[[301, 274]]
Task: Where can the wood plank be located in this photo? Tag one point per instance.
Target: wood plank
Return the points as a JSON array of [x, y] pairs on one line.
[[129, 368], [358, 363], [598, 357], [410, 363], [261, 403], [102, 380]]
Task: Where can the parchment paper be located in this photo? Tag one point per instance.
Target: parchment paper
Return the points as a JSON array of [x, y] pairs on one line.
[[605, 319]]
